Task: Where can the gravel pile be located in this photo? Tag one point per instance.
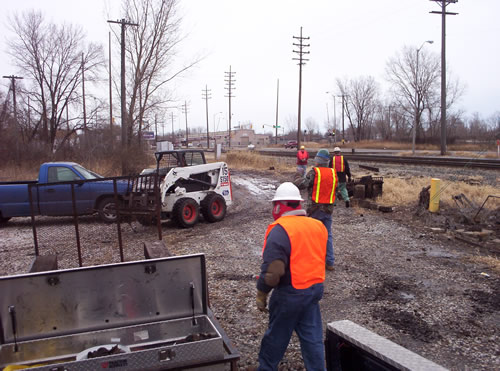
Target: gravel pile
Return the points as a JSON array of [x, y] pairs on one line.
[[391, 276]]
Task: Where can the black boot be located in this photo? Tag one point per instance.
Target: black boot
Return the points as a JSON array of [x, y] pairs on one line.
[[347, 204]]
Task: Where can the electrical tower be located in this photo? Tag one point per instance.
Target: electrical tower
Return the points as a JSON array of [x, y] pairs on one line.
[[301, 52], [443, 4], [229, 79], [206, 94]]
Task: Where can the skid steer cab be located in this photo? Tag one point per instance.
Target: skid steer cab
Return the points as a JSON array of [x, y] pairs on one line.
[[187, 192]]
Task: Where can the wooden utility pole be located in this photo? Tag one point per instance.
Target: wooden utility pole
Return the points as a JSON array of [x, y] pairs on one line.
[[443, 13], [110, 90], [229, 79], [83, 97], [185, 109], [301, 52], [123, 24], [206, 96], [13, 79], [277, 101]]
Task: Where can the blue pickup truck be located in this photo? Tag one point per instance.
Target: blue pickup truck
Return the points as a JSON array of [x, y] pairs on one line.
[[52, 198]]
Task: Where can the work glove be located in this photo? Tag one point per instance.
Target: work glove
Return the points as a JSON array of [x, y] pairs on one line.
[[261, 300]]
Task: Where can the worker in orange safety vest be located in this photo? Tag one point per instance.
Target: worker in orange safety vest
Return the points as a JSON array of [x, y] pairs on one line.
[[321, 183], [341, 166], [302, 157], [293, 268]]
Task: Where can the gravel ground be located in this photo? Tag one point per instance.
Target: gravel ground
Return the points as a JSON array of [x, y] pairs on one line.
[[391, 275]]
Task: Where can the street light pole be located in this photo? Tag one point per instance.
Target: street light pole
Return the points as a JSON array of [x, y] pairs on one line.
[[417, 99]]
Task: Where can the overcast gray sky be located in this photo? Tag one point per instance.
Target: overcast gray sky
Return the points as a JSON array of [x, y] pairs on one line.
[[347, 38]]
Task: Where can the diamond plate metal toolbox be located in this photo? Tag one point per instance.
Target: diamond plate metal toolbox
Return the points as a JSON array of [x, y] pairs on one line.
[[144, 315]]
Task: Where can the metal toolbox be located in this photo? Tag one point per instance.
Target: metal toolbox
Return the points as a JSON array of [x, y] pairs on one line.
[[154, 311]]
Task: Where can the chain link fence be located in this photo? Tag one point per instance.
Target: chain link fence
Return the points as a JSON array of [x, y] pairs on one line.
[[97, 221]]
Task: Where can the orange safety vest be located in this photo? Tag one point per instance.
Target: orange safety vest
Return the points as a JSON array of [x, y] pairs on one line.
[[338, 163], [324, 186], [302, 157], [308, 250]]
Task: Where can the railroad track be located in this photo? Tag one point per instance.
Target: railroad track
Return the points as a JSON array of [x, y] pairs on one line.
[[482, 163]]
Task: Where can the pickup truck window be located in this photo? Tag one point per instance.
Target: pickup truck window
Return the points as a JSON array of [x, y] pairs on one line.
[[61, 174], [87, 174]]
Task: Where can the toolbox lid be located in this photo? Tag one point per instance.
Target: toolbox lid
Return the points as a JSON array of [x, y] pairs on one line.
[[47, 304]]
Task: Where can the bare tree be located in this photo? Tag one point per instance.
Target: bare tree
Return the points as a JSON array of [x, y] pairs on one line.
[[50, 56], [361, 100], [152, 56], [414, 86]]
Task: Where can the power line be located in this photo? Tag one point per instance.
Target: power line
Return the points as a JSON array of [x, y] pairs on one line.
[[301, 52]]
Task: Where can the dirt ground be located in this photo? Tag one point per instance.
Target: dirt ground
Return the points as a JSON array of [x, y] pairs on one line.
[[392, 275]]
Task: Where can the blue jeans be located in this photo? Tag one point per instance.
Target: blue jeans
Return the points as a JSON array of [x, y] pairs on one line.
[[326, 219], [341, 188], [291, 309]]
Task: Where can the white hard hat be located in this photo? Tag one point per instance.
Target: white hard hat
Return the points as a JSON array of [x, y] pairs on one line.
[[336, 149], [287, 192]]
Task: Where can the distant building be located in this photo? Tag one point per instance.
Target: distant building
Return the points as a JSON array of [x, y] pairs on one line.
[[239, 138]]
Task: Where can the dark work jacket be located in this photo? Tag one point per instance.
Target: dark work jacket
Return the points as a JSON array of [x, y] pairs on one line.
[[342, 176]]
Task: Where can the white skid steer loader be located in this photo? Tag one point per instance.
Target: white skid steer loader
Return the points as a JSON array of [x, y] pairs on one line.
[[188, 191]]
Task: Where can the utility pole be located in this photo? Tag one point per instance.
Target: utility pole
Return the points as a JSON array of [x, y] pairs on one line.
[[83, 97], [185, 109], [443, 12], [13, 79], [277, 100], [229, 79], [206, 96], [301, 52], [123, 24], [110, 90], [343, 96], [173, 134]]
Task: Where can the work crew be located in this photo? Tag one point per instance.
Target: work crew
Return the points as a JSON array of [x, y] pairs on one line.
[[293, 267], [321, 183], [341, 166], [302, 157]]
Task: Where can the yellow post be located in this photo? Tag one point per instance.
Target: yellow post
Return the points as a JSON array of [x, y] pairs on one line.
[[435, 194]]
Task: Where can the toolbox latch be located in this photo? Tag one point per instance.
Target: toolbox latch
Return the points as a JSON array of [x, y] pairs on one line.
[[166, 355]]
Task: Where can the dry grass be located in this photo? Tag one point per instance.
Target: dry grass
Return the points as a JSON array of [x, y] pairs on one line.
[[246, 160], [405, 191], [490, 261]]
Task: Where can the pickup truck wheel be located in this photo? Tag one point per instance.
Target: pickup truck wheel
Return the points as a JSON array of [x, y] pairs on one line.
[[107, 210], [213, 207], [186, 212]]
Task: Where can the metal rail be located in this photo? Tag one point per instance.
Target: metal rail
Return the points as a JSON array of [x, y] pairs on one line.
[[492, 164]]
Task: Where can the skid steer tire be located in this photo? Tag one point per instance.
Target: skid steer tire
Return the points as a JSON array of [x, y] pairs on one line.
[[213, 208], [186, 212]]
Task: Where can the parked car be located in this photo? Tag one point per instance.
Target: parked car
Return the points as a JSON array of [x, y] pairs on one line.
[[291, 144], [54, 198]]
